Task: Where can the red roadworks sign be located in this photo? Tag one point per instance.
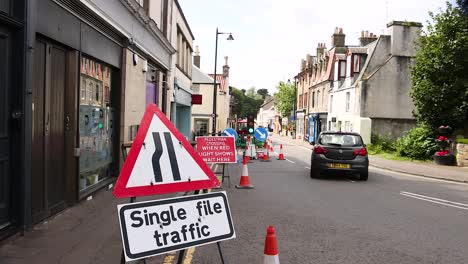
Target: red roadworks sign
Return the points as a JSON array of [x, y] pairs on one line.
[[162, 161], [217, 149]]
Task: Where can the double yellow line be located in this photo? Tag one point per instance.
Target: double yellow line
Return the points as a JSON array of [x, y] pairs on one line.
[[171, 258]]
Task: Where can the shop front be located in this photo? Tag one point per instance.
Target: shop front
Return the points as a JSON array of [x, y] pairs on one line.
[[75, 105], [300, 125], [12, 116], [314, 127]]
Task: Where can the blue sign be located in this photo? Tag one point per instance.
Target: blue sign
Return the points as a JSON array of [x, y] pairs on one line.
[[230, 133], [261, 134]]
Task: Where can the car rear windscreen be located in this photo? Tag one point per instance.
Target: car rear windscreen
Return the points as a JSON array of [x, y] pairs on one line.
[[340, 140]]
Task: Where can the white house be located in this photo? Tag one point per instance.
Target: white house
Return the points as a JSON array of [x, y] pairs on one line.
[[370, 92], [203, 84], [266, 114]]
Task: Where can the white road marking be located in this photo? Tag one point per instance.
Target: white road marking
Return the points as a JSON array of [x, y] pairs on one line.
[[290, 161], [419, 178], [294, 144], [436, 200], [307, 168]]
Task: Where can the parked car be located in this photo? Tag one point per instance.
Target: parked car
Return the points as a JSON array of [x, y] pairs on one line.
[[339, 152]]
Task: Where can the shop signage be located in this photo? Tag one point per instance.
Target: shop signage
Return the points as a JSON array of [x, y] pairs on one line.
[[217, 149], [161, 160], [197, 99], [155, 227]]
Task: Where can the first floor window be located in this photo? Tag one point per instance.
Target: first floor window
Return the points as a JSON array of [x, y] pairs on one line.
[[348, 98], [201, 127]]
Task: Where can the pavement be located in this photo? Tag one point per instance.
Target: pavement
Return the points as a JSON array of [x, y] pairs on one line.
[[416, 168], [391, 218]]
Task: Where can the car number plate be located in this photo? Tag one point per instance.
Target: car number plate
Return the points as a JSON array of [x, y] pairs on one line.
[[339, 166]]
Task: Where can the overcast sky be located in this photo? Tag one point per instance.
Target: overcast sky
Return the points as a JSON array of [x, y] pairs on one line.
[[272, 36]]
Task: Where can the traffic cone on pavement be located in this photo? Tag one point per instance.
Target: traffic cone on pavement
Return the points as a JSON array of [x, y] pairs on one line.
[[271, 247], [281, 156], [244, 179]]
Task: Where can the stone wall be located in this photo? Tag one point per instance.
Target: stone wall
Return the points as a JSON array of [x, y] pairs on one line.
[[462, 155]]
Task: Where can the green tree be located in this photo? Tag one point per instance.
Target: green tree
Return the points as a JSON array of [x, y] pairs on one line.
[[263, 93], [244, 105], [285, 98], [439, 76], [252, 93]]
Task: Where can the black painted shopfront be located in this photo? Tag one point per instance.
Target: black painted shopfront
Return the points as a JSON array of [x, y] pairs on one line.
[[60, 103], [75, 99], [12, 33]]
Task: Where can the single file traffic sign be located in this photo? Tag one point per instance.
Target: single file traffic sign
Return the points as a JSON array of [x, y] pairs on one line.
[[155, 227], [162, 161]]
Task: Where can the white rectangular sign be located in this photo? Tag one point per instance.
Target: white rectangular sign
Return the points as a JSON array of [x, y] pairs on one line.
[[155, 227]]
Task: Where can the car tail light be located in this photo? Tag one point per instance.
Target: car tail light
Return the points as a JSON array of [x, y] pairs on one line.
[[360, 152], [320, 150]]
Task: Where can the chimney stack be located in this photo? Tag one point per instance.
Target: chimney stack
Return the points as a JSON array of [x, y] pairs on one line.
[[303, 64], [226, 67], [338, 38], [196, 57], [366, 38], [321, 50]]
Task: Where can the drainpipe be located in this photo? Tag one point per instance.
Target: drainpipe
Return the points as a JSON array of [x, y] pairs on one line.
[[174, 108]]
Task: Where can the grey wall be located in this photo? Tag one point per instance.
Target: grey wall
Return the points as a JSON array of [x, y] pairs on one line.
[[116, 10], [58, 24], [392, 128], [387, 92]]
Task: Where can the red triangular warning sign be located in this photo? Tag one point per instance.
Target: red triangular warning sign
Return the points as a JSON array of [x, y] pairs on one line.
[[161, 161]]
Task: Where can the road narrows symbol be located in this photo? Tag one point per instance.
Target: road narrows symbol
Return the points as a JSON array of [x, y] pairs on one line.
[[156, 157], [172, 156]]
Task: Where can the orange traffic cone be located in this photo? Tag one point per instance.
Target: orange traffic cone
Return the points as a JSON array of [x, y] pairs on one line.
[[246, 156], [281, 156], [271, 247], [266, 156], [244, 179]]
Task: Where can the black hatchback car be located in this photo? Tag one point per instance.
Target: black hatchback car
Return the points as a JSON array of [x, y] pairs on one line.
[[339, 151]]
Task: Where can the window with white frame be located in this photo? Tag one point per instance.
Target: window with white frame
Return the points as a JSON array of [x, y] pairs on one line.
[[348, 98], [356, 63], [313, 99], [318, 98], [342, 69], [331, 103], [184, 54], [347, 126]]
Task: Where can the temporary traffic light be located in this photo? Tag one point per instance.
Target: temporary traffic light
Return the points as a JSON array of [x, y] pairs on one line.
[[250, 124]]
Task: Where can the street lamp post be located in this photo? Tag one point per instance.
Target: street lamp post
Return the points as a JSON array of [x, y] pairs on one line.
[[213, 127]]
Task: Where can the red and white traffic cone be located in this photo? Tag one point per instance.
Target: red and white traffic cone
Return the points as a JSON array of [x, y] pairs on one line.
[[271, 255], [244, 179], [281, 156]]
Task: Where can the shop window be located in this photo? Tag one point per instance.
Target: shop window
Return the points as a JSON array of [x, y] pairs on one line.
[[96, 124], [132, 131]]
